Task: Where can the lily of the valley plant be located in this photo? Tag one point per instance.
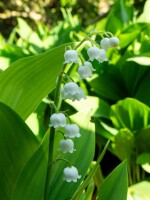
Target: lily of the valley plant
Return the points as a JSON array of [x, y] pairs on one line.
[[70, 90]]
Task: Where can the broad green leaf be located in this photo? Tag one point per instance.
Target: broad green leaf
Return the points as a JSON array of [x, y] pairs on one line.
[[89, 191], [126, 11], [83, 145], [143, 91], [132, 75], [135, 79], [131, 33], [27, 81], [123, 144], [142, 140], [140, 191], [144, 17], [142, 60], [130, 113], [115, 185], [31, 182], [121, 13], [144, 160], [99, 107], [17, 144], [107, 85], [127, 38]]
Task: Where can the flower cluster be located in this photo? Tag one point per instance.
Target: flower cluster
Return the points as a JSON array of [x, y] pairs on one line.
[[72, 91], [66, 145], [107, 43]]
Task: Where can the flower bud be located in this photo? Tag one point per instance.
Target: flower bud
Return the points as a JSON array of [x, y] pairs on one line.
[[86, 70], [105, 43], [71, 56], [114, 41], [58, 119], [72, 131], [67, 146], [71, 174]]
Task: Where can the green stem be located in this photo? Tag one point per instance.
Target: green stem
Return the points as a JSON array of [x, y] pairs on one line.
[[57, 159], [58, 87], [56, 108], [87, 180], [130, 174], [52, 133], [80, 43], [137, 173], [81, 58]]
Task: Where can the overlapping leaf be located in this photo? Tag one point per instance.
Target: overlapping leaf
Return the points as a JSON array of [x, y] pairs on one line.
[[31, 182], [17, 144], [28, 80], [83, 145], [115, 186], [130, 113]]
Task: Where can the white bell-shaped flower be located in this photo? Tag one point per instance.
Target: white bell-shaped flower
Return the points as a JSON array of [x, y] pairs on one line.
[[78, 95], [96, 53], [72, 91], [70, 56], [114, 41], [105, 43], [58, 119], [93, 53], [86, 70], [67, 146], [72, 131], [102, 56], [71, 174], [69, 89]]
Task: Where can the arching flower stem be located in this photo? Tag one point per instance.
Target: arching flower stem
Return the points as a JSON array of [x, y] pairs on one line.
[[52, 132]]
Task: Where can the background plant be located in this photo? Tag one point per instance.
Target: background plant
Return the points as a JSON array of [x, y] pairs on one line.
[[118, 93]]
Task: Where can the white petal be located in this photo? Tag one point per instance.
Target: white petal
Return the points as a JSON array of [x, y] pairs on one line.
[[71, 56], [114, 41], [105, 43]]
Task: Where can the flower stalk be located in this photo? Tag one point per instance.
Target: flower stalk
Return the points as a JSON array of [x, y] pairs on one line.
[[52, 133], [72, 91]]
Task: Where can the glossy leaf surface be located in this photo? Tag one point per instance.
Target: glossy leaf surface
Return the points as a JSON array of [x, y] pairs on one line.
[[17, 144], [115, 185], [27, 81]]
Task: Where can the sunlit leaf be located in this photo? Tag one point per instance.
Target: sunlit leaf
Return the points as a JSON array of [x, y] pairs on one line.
[[130, 113], [140, 60], [27, 81], [144, 160], [124, 144], [115, 185], [24, 29], [144, 17], [140, 191], [121, 13]]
